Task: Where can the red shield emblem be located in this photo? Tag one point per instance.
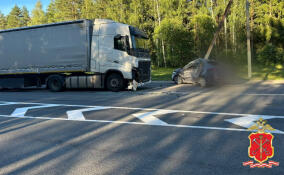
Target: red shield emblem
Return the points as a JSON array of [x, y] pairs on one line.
[[261, 146]]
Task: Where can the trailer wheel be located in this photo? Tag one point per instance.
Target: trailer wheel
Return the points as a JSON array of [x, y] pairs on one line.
[[56, 83], [115, 82]]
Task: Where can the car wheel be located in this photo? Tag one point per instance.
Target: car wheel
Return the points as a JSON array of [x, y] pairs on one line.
[[115, 82], [202, 82], [177, 79]]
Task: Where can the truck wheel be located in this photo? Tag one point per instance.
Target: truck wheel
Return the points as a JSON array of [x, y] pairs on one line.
[[115, 82], [56, 83]]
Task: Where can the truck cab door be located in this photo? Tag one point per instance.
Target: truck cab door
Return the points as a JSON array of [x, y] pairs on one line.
[[121, 47]]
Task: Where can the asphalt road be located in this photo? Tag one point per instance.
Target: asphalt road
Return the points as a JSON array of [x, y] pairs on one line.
[[160, 129]]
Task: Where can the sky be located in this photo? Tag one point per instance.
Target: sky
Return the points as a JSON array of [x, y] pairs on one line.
[[7, 5]]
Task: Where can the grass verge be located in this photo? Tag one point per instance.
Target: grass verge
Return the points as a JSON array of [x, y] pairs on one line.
[[259, 72], [162, 74]]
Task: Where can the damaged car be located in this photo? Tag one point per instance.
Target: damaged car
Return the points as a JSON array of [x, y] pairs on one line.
[[200, 71]]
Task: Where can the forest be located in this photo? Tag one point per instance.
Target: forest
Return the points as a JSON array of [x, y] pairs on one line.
[[178, 30]]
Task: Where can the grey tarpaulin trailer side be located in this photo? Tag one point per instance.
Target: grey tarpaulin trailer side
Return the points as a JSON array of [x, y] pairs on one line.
[[37, 55], [58, 47]]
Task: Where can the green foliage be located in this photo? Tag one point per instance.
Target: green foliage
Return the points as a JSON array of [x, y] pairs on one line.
[[2, 21], [178, 41], [67, 9], [25, 16], [38, 15], [270, 54], [88, 9], [203, 28], [184, 27], [50, 12], [14, 18]]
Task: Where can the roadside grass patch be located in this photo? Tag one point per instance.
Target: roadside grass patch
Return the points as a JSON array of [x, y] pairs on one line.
[[162, 74], [259, 72]]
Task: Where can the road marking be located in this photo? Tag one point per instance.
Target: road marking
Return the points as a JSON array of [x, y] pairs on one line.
[[148, 117], [20, 112], [249, 120], [143, 109], [78, 114], [138, 123], [8, 103]]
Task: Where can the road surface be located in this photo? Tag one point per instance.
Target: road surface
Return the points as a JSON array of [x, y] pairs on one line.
[[160, 129]]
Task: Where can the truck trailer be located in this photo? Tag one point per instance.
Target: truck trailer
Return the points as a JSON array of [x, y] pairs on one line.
[[84, 53]]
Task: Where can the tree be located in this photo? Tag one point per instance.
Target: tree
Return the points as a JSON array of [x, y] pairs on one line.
[[179, 30], [204, 30], [178, 41], [25, 17], [38, 15], [51, 11], [68, 9], [88, 9], [14, 18], [3, 21]]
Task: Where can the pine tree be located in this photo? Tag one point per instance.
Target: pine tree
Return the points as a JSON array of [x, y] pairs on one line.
[[88, 9], [38, 15], [50, 14], [3, 21], [25, 17], [14, 18], [68, 9]]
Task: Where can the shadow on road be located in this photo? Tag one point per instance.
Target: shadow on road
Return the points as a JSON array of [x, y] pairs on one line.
[[64, 147]]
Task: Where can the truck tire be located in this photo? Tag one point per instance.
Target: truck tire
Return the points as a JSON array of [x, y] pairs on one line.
[[56, 83], [115, 82]]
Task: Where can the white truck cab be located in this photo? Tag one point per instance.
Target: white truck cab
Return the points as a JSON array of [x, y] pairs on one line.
[[120, 48]]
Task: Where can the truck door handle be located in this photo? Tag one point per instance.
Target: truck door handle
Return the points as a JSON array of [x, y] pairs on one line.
[[116, 61]]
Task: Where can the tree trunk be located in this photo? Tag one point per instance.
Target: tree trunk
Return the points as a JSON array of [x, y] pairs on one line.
[[252, 27], [225, 31], [163, 44], [212, 12]]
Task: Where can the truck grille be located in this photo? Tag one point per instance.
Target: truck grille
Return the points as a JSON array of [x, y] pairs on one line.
[[144, 71]]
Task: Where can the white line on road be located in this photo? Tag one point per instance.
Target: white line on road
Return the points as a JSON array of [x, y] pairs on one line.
[[20, 112], [148, 117], [149, 109], [78, 114], [138, 123], [248, 121], [8, 103]]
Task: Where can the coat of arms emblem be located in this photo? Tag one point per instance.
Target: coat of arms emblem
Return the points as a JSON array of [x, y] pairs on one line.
[[261, 148]]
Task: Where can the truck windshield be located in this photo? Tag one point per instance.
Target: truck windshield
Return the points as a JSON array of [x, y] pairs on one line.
[[139, 43]]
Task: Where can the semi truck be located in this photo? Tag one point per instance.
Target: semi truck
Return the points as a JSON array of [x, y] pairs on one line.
[[98, 53]]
